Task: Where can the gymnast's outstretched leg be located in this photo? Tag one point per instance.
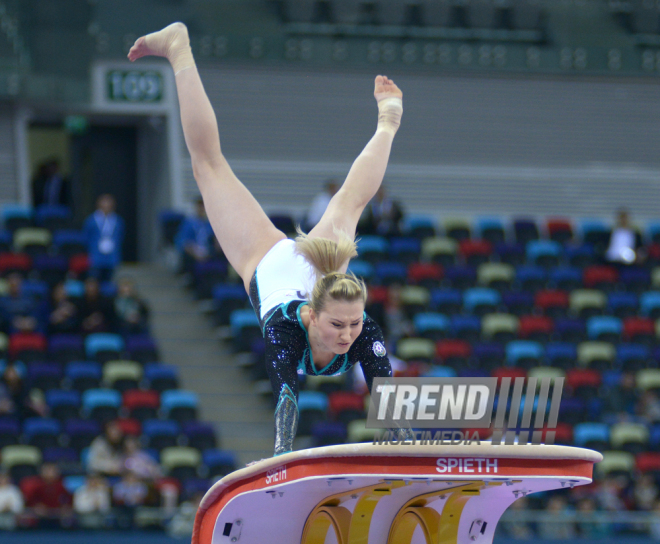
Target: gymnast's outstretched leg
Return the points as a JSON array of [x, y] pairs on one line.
[[244, 231]]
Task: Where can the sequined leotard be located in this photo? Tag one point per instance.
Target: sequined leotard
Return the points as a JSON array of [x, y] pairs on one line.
[[288, 350]]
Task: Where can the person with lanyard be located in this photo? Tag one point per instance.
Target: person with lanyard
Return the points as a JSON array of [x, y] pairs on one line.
[[105, 234], [311, 311]]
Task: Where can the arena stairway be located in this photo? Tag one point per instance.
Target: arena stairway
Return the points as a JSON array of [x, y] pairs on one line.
[[242, 417]]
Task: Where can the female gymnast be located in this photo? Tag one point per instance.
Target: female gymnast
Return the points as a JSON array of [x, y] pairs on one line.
[[311, 312]]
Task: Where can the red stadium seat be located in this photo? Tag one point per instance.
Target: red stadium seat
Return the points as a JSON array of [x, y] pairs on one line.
[[552, 301], [560, 230], [453, 352], [14, 262], [129, 426], [639, 329], [535, 327], [508, 372], [427, 274], [648, 461], [600, 277], [27, 342], [378, 295], [141, 404], [583, 382], [475, 252], [79, 264]]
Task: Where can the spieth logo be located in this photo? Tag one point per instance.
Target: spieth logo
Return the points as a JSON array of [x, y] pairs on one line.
[[467, 465], [516, 409], [275, 475]]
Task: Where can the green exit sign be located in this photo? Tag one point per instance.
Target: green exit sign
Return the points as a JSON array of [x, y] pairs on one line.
[[134, 86]]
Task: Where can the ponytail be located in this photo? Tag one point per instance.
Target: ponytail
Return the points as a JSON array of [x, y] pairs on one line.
[[327, 257]]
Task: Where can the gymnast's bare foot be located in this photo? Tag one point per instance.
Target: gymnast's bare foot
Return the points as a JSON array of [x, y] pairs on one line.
[[386, 88], [390, 105], [172, 42]]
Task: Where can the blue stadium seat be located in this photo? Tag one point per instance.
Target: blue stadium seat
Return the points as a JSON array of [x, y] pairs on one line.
[[591, 435], [53, 217], [218, 462], [64, 404], [439, 372], [481, 300], [446, 301], [594, 232], [524, 353], [81, 432], [36, 288], [161, 377], [518, 302], [179, 405], [513, 254], [74, 288], [227, 297], [491, 229], [387, 273], [570, 329], [372, 248], [431, 325], [5, 241], [622, 304], [466, 327], [580, 256], [10, 430], [160, 434], [632, 357], [604, 328], [561, 354], [649, 304], [545, 253], [245, 329], [312, 400], [84, 374], [419, 226], [635, 279], [101, 404], [566, 277], [41, 432], [70, 242], [461, 277], [101, 343], [405, 249], [490, 355], [531, 278], [15, 216], [653, 230], [362, 269], [525, 230]]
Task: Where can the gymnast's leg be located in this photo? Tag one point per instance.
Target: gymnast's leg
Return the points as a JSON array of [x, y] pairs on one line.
[[368, 170], [244, 231]]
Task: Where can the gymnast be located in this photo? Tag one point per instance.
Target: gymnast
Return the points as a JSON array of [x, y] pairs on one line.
[[310, 310]]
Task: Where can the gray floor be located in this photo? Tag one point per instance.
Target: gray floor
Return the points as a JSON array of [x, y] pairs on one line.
[[186, 339]]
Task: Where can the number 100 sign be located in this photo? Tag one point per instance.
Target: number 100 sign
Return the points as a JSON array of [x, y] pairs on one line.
[[134, 86]]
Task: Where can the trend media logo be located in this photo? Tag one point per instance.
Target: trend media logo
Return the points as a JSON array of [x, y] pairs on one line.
[[526, 409]]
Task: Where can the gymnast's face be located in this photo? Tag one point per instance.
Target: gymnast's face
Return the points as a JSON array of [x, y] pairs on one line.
[[339, 324]]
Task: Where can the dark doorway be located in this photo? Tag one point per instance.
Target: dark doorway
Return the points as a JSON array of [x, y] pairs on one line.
[[104, 160]]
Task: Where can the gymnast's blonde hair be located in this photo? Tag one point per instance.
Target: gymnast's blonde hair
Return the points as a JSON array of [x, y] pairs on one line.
[[327, 257]]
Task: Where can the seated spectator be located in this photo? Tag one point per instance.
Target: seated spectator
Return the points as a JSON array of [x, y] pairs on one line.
[[320, 203], [514, 527], [195, 238], [97, 313], [645, 492], [381, 216], [624, 245], [609, 495], [91, 502], [64, 316], [19, 312], [648, 406], [105, 235], [181, 525], [17, 399], [106, 453], [141, 464], [49, 500], [11, 502], [587, 525], [559, 528], [130, 310], [127, 494]]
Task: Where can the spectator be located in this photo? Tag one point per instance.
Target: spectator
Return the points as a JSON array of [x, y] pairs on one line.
[[624, 397], [624, 244], [105, 235], [381, 216], [141, 464], [515, 527], [557, 526], [12, 392], [97, 314], [588, 524], [648, 406], [195, 238], [64, 317], [645, 492], [128, 494], [609, 494], [91, 502], [181, 525], [320, 203], [50, 187], [106, 453], [11, 502], [49, 499], [130, 310], [19, 311], [397, 324]]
